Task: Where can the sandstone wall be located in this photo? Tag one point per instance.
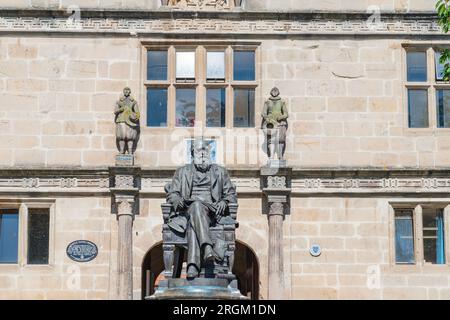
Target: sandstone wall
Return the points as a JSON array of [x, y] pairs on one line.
[[346, 100], [357, 259]]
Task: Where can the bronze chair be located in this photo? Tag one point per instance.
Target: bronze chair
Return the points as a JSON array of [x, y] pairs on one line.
[[175, 245]]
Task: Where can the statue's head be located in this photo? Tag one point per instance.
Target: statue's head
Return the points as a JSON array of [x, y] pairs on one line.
[[201, 154], [126, 91], [275, 92]]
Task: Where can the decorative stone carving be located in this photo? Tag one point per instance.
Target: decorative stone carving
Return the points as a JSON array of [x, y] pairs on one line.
[[124, 181], [276, 208], [276, 182], [197, 4], [412, 26], [30, 182]]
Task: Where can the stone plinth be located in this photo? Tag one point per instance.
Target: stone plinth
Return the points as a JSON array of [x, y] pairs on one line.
[[197, 289]]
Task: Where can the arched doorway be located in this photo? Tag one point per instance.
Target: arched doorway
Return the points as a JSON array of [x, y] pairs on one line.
[[246, 269]]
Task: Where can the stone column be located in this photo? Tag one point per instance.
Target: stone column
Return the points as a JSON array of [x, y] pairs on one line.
[[125, 192], [277, 193]]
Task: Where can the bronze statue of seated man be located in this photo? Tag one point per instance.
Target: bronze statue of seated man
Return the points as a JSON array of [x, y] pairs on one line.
[[200, 194]]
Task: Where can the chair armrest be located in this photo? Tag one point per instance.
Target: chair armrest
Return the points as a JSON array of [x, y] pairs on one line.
[[233, 209], [166, 209]]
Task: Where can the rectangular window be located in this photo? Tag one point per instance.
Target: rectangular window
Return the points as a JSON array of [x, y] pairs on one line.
[[244, 66], [215, 66], [185, 66], [185, 108], [156, 65], [38, 236], [433, 236], [157, 107], [418, 108], [178, 74], [244, 108], [443, 108], [417, 66], [9, 235], [404, 236], [215, 107]]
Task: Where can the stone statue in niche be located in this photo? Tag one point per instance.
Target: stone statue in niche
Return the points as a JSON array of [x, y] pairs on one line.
[[127, 123], [275, 125]]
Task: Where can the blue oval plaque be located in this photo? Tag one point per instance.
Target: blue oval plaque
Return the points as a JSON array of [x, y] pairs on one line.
[[82, 251]]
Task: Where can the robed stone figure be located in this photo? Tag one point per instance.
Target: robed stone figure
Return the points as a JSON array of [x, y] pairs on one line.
[[200, 194]]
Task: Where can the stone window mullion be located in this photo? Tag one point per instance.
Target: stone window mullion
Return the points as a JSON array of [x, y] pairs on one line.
[[418, 238], [432, 90], [447, 233]]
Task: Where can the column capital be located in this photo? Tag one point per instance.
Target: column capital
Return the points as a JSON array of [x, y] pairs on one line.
[[125, 182]]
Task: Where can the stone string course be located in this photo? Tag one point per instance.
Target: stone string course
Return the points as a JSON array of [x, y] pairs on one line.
[[425, 25]]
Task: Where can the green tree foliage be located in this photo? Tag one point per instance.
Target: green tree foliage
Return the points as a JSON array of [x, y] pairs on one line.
[[443, 10]]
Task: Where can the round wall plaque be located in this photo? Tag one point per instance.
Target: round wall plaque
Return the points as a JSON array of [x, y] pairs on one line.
[[82, 251], [315, 250]]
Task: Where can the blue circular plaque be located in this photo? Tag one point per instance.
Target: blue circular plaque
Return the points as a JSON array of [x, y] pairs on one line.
[[82, 251], [315, 250]]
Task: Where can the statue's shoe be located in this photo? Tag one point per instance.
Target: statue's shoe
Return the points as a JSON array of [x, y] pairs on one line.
[[192, 272], [209, 254]]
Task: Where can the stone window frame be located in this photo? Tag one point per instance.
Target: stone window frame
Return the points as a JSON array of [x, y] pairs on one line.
[[431, 85], [417, 207], [201, 84], [23, 207]]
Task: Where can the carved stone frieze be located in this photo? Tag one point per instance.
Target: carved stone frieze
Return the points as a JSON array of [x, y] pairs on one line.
[[220, 25]]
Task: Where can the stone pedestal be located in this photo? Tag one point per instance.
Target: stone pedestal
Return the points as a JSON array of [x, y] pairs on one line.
[[197, 289], [277, 190], [124, 160], [125, 194]]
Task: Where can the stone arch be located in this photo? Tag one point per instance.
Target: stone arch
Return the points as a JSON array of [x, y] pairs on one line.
[[247, 265]]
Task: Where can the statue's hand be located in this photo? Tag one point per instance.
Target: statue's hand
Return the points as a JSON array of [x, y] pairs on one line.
[[181, 204], [221, 207]]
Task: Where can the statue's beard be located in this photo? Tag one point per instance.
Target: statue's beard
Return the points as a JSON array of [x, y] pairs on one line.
[[203, 167]]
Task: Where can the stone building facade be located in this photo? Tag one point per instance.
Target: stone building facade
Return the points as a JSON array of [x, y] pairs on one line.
[[367, 160]]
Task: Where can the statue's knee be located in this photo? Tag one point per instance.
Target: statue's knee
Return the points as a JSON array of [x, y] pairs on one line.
[[195, 207]]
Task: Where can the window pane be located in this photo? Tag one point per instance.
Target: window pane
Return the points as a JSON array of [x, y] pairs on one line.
[[244, 65], [418, 108], [185, 108], [404, 241], [156, 65], [417, 66], [244, 108], [443, 108], [9, 236], [38, 236], [215, 66], [156, 107], [215, 107], [439, 67], [185, 65], [433, 236]]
